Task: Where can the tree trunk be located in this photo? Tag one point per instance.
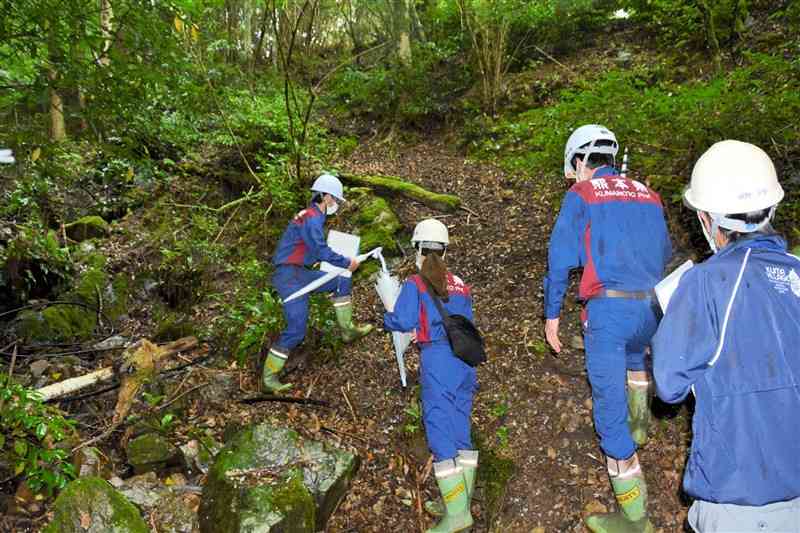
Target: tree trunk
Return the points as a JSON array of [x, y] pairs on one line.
[[106, 30], [58, 129], [402, 31], [711, 32], [418, 31]]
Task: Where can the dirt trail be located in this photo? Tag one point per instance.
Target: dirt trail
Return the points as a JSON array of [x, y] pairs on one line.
[[532, 407]]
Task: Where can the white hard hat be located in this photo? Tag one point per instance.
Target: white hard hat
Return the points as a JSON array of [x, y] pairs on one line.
[[431, 230], [329, 184], [586, 140], [733, 177]]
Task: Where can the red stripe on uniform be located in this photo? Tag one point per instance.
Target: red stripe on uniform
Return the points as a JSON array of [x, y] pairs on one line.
[[298, 255], [590, 282]]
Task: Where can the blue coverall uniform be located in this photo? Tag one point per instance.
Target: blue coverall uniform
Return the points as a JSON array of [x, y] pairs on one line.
[[615, 229], [448, 383], [731, 334], [302, 245]]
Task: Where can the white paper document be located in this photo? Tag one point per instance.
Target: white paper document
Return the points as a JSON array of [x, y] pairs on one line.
[[344, 244], [666, 287]]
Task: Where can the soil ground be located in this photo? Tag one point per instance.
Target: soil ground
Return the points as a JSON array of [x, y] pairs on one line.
[[532, 407]]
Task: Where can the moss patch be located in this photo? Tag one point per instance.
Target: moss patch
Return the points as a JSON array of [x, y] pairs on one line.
[[108, 511], [494, 473], [91, 227], [151, 452], [395, 185], [377, 225]]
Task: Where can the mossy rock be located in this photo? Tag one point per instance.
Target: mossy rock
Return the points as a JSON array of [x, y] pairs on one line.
[[90, 227], [77, 322], [151, 451], [494, 473], [91, 505], [304, 482], [57, 322], [377, 225], [172, 326]]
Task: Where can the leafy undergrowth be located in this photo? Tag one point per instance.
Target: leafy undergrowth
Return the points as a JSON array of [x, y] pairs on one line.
[[665, 123]]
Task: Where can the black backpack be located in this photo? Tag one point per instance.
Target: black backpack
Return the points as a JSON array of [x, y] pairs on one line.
[[464, 337]]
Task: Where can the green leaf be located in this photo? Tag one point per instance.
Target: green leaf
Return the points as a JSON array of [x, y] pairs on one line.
[[21, 448], [41, 430]]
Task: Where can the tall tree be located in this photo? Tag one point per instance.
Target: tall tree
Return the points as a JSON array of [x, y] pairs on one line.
[[402, 30]]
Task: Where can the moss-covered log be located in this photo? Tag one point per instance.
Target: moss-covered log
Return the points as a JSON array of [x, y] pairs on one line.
[[396, 185]]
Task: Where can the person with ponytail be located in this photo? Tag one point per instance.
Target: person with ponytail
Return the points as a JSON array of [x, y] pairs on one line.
[[448, 384]]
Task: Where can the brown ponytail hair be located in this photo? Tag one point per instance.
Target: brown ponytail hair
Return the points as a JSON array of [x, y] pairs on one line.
[[434, 273]]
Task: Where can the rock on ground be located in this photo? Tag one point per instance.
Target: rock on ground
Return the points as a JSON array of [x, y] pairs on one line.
[[91, 505], [269, 479]]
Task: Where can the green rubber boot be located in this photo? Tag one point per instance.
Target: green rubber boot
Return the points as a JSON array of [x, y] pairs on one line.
[[639, 400], [468, 461], [453, 487], [631, 494], [344, 316], [272, 367]]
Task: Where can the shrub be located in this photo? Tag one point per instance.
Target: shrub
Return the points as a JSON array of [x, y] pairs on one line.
[[32, 436]]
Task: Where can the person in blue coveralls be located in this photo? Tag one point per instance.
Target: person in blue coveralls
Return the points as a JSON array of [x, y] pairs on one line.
[[731, 336], [448, 383], [301, 246], [615, 229]]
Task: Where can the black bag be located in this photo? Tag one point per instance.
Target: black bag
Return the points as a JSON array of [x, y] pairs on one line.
[[464, 337]]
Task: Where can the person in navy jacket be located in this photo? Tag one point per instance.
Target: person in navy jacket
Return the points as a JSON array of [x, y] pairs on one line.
[[301, 246], [614, 228], [731, 335], [448, 383]]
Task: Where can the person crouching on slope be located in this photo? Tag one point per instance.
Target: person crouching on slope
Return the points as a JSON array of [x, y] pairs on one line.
[[302, 245], [614, 228], [448, 383]]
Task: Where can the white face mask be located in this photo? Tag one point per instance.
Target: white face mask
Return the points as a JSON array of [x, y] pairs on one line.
[[712, 243], [331, 209], [419, 259]]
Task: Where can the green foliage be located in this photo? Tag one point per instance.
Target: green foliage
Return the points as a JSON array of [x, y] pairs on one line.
[[32, 436], [190, 256], [657, 118], [676, 23], [253, 321], [413, 412], [34, 263], [405, 95]]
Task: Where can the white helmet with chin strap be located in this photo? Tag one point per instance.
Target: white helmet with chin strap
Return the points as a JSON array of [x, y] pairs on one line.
[[587, 140], [430, 231], [430, 234], [329, 184], [733, 178]]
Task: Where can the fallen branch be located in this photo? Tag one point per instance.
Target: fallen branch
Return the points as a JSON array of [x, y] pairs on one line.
[[284, 399], [396, 185], [62, 388]]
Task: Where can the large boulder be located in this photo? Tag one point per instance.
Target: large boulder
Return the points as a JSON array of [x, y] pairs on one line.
[[151, 451], [90, 227], [91, 505], [169, 507], [270, 480]]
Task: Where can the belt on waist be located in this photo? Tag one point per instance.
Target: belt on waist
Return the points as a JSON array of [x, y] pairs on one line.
[[631, 295]]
